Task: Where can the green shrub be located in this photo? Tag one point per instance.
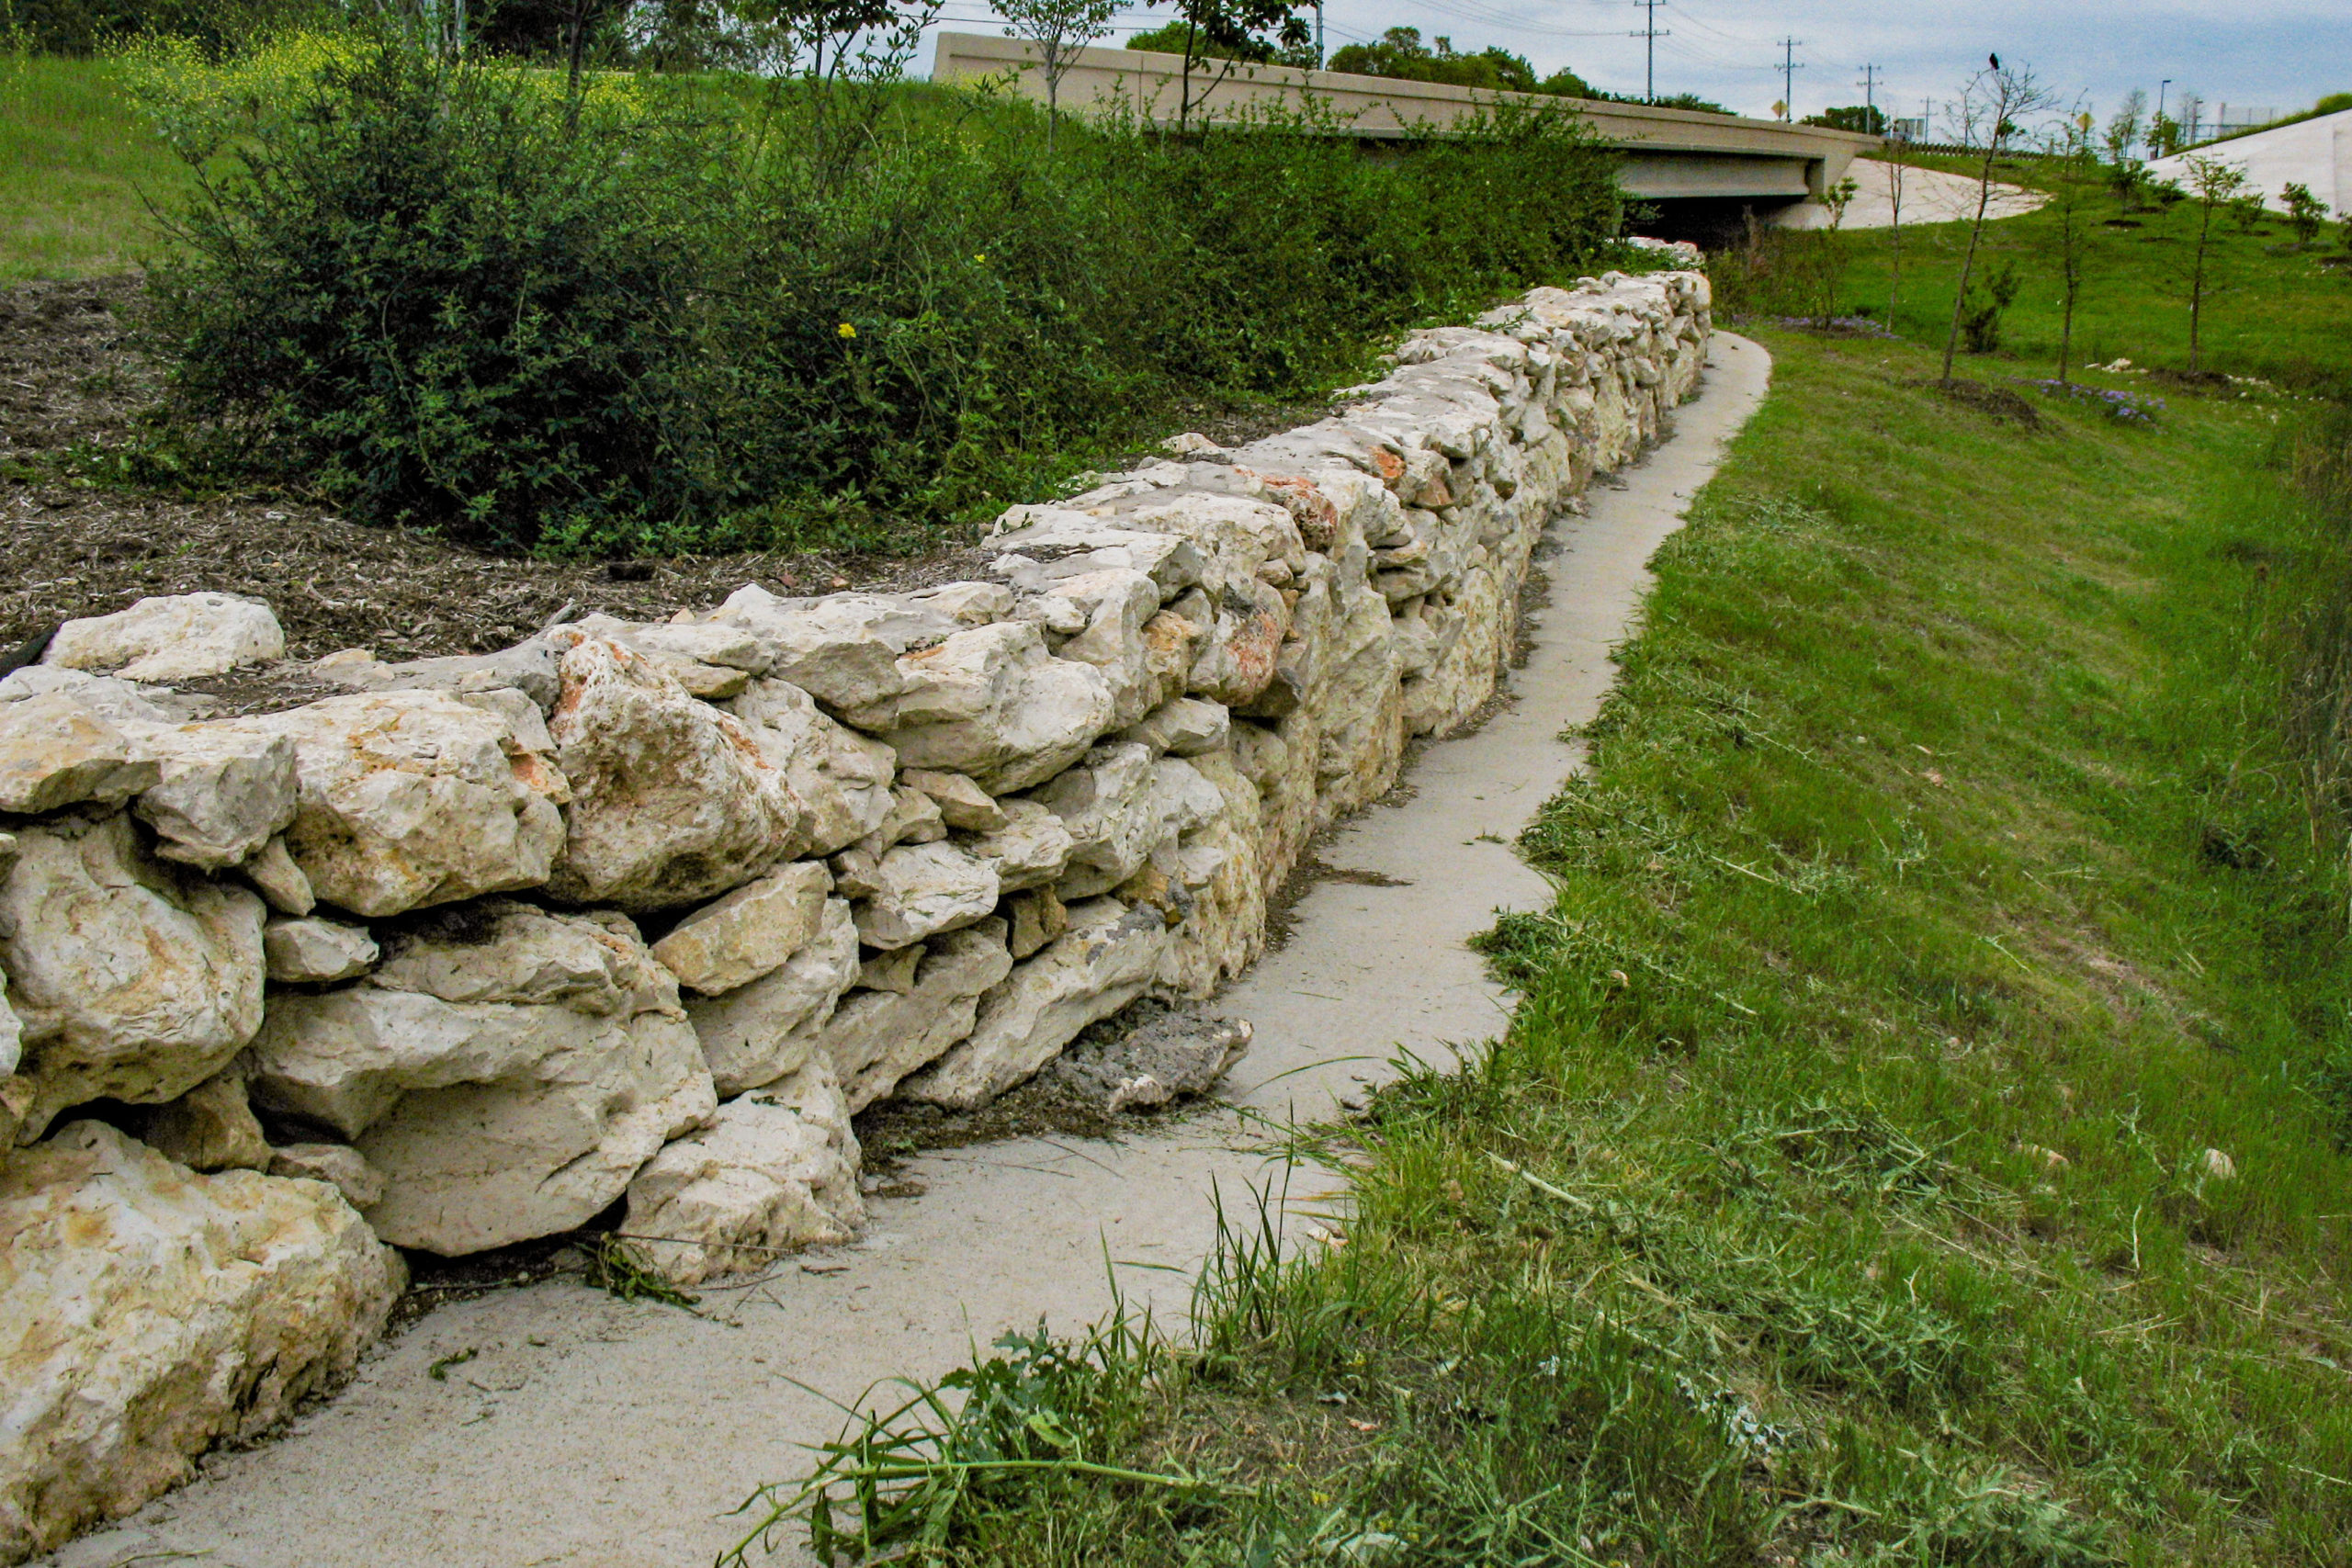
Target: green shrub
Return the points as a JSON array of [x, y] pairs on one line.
[[724, 312]]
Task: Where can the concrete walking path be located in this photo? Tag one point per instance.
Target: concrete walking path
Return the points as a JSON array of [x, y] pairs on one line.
[[592, 1433]]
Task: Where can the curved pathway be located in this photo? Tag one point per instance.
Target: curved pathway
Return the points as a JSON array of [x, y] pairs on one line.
[[593, 1433]]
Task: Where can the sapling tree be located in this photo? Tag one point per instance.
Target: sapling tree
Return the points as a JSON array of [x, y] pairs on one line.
[[1225, 31], [2125, 171], [1059, 30], [1896, 166], [2305, 212], [2216, 184], [2075, 163], [1992, 105]]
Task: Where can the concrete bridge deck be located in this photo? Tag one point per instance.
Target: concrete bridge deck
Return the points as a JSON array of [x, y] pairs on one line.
[[1670, 154]]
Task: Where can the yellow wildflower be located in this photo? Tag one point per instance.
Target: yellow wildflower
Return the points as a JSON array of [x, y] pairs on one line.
[[846, 330]]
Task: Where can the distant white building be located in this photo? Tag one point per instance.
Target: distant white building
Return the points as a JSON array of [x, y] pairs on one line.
[[2314, 152]]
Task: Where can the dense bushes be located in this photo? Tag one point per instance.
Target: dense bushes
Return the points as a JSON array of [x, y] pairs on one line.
[[730, 312]]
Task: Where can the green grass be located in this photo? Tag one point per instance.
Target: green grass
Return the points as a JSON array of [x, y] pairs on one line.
[[2279, 311], [77, 166], [1946, 886]]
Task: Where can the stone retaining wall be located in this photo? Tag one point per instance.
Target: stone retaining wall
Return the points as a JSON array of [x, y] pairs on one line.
[[646, 912]]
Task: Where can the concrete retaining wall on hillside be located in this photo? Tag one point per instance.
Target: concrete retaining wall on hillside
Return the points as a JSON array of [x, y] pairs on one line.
[[646, 912]]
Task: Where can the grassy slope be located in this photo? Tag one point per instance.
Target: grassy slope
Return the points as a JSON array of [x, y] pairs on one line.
[[76, 167], [2275, 314], [1943, 893]]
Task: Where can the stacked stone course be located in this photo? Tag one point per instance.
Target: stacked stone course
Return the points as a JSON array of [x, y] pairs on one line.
[[647, 912]]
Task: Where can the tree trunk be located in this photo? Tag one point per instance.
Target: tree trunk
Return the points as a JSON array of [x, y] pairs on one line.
[[1968, 261]]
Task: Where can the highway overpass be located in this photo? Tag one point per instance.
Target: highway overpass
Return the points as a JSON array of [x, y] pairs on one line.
[[1671, 155]]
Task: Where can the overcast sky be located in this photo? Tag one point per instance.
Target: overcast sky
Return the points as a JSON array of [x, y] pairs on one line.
[[2269, 54]]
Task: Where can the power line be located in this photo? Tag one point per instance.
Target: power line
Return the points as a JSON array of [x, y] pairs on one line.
[[1649, 35], [1788, 69]]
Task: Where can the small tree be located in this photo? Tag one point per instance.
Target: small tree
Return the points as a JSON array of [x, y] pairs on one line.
[[2305, 212], [1896, 165], [1992, 103], [2124, 170], [2079, 176], [1231, 33], [1058, 29], [2216, 184]]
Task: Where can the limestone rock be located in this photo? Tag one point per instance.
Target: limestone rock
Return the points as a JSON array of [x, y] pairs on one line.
[[843, 778], [875, 1038], [1247, 623], [962, 804], [750, 932], [131, 1348], [410, 798], [1049, 545], [340, 1165], [842, 649], [54, 753], [758, 1032], [1120, 807], [1163, 1059], [12, 1042], [117, 701], [211, 1127], [893, 971], [992, 704], [224, 792], [315, 951], [921, 890], [505, 1070], [133, 981], [1182, 727], [672, 802], [1032, 850], [530, 667], [1103, 962], [1118, 604], [278, 880], [184, 636], [914, 819], [1037, 917], [776, 1170]]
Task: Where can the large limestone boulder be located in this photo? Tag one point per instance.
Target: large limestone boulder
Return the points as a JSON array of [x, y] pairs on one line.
[[185, 636], [54, 752], [842, 778], [1105, 960], [223, 791], [672, 801], [505, 1071], [147, 1312], [775, 1171], [1246, 624], [759, 1032], [991, 703], [921, 890], [842, 649], [750, 932], [132, 980], [410, 798], [875, 1038]]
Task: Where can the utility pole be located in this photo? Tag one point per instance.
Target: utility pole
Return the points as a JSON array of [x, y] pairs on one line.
[[1868, 85], [1319, 55], [2159, 121], [1788, 69], [1651, 32]]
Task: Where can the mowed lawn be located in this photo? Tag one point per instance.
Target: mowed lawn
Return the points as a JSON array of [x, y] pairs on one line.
[[78, 166]]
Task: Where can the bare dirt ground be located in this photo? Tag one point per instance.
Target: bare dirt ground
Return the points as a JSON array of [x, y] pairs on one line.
[[72, 387]]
